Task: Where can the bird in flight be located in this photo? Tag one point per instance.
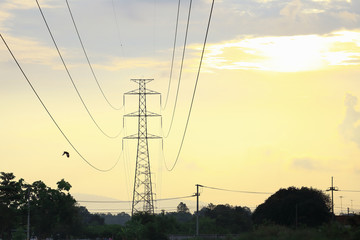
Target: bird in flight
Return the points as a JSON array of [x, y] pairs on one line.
[[66, 153]]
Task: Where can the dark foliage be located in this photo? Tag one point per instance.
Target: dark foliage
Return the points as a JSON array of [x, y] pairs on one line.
[[151, 227], [229, 219], [120, 218], [305, 206], [53, 212]]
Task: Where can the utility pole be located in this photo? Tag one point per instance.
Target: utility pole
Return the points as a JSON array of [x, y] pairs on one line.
[[142, 195], [341, 197], [296, 216], [197, 208], [332, 189], [28, 216]]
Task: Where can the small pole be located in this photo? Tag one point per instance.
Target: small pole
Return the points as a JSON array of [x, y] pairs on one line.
[[332, 195], [341, 210], [332, 189], [28, 217], [197, 208], [296, 216]]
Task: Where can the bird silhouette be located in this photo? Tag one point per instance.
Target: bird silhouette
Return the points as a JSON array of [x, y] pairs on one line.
[[66, 153]]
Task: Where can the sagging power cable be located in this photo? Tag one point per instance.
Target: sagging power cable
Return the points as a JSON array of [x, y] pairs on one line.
[[238, 191], [194, 92], [88, 61], [173, 55], [53, 119], [71, 79], [181, 68]]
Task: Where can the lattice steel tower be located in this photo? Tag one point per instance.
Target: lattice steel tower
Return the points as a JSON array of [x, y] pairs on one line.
[[142, 195]]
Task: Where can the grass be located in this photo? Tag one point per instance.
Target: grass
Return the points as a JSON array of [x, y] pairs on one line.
[[276, 232]]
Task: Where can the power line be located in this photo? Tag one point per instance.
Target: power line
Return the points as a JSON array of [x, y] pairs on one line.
[[118, 209], [173, 54], [349, 190], [52, 118], [181, 67], [118, 28], [238, 191], [100, 201], [174, 198], [72, 81], [119, 201], [194, 92], [87, 58]]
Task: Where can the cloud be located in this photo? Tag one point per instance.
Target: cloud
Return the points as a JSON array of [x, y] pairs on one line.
[[20, 4], [30, 51], [306, 163], [307, 52], [115, 64], [283, 18], [310, 164], [347, 16], [292, 9], [350, 127]]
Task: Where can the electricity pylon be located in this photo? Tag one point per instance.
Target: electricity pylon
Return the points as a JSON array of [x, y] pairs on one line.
[[142, 195]]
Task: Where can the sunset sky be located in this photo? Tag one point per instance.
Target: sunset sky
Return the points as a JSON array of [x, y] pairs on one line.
[[277, 102]]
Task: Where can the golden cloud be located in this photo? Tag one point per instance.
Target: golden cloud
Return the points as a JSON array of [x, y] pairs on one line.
[[286, 53]]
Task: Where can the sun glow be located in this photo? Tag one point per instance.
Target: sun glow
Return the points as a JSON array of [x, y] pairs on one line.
[[287, 53]]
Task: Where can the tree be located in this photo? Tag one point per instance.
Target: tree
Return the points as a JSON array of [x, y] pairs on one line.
[[63, 185], [182, 208], [149, 227], [229, 219], [53, 211], [88, 218], [12, 199], [305, 206]]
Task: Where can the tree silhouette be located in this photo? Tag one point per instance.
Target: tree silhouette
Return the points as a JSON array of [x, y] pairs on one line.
[[182, 208], [229, 219], [305, 206]]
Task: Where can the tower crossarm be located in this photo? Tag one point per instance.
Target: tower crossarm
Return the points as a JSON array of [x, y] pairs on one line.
[[138, 114], [138, 92], [136, 136]]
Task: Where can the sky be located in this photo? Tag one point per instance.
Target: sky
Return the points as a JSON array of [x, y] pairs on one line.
[[276, 104]]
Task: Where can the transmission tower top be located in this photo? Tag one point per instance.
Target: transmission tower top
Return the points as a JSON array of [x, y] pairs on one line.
[[145, 80]]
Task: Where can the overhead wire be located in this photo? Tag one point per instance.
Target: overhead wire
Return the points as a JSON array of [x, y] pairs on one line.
[[88, 61], [238, 191], [72, 81], [118, 28], [349, 190], [173, 55], [181, 69], [52, 118], [120, 201], [195, 88], [127, 168]]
